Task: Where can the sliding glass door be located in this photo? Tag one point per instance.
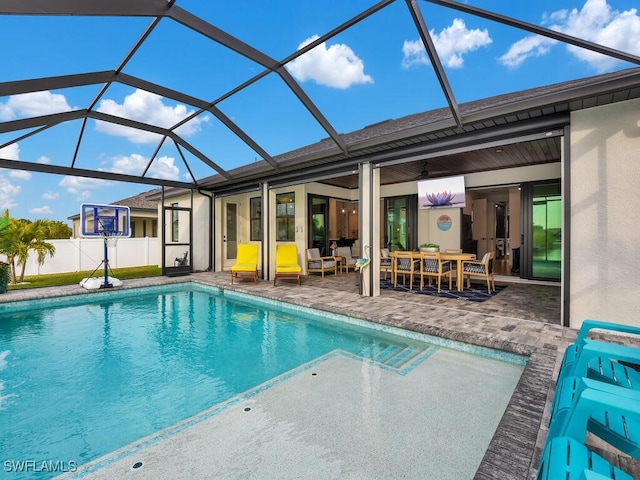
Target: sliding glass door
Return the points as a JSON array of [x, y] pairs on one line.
[[318, 223], [401, 219], [547, 231], [542, 227]]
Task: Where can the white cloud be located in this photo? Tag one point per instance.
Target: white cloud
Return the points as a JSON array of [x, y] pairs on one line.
[[8, 194], [148, 108], [8, 191], [10, 152], [337, 66], [20, 175], [596, 22], [134, 164], [83, 196], [81, 187], [32, 105], [50, 195], [526, 48], [44, 160], [451, 44], [44, 210]]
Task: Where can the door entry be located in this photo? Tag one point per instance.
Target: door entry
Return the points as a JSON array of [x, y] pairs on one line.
[[176, 236], [230, 234]]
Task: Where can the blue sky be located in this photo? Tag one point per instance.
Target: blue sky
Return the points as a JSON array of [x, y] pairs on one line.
[[374, 71]]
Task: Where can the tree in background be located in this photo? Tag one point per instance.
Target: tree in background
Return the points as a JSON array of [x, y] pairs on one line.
[[19, 237], [58, 229], [4, 267]]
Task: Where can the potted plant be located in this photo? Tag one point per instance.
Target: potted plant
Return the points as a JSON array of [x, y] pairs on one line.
[[430, 247], [4, 276]]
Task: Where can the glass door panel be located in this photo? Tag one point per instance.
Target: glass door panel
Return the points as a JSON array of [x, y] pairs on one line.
[[231, 231], [319, 207], [547, 231], [396, 224]]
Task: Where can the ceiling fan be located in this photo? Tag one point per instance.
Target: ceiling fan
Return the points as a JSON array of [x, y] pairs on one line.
[[426, 173]]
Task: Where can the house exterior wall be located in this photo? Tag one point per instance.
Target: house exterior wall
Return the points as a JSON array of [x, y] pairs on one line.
[[605, 214], [435, 231], [138, 221], [243, 202], [300, 225], [244, 234]]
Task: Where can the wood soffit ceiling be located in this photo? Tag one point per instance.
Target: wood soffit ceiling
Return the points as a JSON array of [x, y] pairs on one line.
[[522, 154]]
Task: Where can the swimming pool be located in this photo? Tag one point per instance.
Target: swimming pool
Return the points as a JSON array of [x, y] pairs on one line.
[[82, 380]]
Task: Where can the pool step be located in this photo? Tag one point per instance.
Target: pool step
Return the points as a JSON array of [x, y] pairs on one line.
[[398, 356]]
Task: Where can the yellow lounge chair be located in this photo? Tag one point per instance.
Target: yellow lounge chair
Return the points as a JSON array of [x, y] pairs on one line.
[[287, 267], [246, 262]]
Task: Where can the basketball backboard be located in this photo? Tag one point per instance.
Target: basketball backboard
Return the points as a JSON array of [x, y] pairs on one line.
[[104, 220]]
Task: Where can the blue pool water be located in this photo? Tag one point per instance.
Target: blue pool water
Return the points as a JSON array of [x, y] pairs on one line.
[[80, 380]]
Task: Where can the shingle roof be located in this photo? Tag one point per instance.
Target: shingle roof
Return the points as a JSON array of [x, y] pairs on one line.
[[140, 202]]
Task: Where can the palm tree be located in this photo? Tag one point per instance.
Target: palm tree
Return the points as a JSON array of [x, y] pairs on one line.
[[21, 236], [34, 237], [4, 272], [4, 220]]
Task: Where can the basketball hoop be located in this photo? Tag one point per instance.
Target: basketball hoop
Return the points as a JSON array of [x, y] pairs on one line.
[[111, 239], [109, 222]]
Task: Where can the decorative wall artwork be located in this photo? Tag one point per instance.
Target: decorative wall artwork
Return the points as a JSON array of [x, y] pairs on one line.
[[441, 193], [444, 222]]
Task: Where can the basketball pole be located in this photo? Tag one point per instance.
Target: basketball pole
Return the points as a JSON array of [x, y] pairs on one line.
[[106, 283], [105, 262]]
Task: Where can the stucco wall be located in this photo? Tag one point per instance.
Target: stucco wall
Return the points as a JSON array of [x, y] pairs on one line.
[[243, 204], [605, 214]]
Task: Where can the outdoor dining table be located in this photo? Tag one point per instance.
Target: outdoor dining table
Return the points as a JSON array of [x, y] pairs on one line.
[[457, 257]]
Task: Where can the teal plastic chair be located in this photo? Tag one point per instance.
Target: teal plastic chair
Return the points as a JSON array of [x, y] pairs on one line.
[[600, 360], [608, 411], [567, 459]]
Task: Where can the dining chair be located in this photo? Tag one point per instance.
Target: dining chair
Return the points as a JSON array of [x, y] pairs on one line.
[[480, 268], [431, 265], [405, 264], [386, 262]]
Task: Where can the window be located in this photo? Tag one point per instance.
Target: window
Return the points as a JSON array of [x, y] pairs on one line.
[[286, 217], [256, 219], [175, 230]]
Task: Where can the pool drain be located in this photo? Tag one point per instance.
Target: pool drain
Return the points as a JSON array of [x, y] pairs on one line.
[[137, 465]]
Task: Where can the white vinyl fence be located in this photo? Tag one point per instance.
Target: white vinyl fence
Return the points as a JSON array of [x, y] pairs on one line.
[[79, 254]]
